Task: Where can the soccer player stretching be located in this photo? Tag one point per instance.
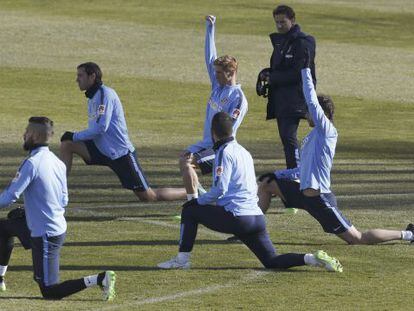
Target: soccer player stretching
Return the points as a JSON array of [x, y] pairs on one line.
[[42, 179], [313, 193], [106, 142], [227, 96], [235, 209]]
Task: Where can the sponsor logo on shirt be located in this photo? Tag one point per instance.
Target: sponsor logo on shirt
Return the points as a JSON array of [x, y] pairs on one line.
[[219, 170], [235, 114], [101, 110]]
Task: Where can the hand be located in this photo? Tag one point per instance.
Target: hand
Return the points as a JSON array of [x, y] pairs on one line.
[[211, 19], [269, 177], [307, 59], [67, 136], [16, 213], [191, 203]]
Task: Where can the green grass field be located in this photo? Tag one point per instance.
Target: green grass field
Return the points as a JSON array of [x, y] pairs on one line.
[[151, 52]]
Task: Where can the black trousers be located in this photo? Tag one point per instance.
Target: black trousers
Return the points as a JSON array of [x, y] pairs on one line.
[[10, 228], [288, 130], [251, 230]]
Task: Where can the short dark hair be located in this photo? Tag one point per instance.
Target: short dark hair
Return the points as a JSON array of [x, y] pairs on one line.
[[222, 125], [44, 126], [327, 105], [91, 68], [285, 10]]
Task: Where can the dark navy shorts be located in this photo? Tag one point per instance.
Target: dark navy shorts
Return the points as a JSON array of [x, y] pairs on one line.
[[205, 160], [126, 167], [46, 255], [16, 227], [323, 207]]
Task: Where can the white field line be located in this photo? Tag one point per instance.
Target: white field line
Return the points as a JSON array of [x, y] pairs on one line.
[[199, 291]]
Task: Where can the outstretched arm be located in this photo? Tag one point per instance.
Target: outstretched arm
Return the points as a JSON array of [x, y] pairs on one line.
[[210, 48], [22, 180]]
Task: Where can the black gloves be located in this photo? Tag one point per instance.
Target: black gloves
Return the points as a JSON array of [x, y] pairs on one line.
[[191, 203], [67, 136], [269, 176], [16, 213], [307, 59], [262, 84]]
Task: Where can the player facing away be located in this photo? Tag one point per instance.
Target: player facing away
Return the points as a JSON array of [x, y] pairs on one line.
[[313, 193], [231, 207], [226, 95], [42, 179], [106, 142]]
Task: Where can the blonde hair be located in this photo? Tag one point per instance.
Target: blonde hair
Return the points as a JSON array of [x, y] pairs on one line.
[[228, 63]]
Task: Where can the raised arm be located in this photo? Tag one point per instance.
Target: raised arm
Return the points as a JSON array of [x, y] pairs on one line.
[[103, 118], [321, 121], [210, 48]]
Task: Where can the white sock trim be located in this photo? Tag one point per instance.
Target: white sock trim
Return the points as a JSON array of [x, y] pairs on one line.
[[192, 196], [91, 280], [183, 256], [3, 270], [310, 260], [407, 235]]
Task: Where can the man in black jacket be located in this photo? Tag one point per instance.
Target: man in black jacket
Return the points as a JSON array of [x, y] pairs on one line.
[[286, 102]]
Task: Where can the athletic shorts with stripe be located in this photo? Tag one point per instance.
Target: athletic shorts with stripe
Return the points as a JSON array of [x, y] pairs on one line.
[[323, 207], [205, 160], [127, 167]]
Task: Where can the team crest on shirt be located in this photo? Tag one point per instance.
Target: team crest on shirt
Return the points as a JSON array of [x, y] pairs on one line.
[[101, 110], [16, 178], [224, 101], [214, 105], [219, 170], [235, 114]]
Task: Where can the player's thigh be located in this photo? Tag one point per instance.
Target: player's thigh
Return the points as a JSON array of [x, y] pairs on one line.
[[213, 217], [76, 147]]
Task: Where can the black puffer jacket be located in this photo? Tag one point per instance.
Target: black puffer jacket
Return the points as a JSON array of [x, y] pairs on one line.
[[285, 94]]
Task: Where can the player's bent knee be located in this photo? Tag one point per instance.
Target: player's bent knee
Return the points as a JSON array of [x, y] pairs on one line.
[[146, 196], [50, 292], [66, 146]]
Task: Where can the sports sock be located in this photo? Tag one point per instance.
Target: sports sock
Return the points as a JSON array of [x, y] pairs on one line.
[[183, 256], [192, 196], [407, 235], [91, 280], [310, 260], [101, 277], [3, 270]]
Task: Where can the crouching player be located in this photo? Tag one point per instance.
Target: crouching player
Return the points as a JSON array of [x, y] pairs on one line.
[[42, 179], [234, 191], [226, 95], [313, 193], [106, 142]]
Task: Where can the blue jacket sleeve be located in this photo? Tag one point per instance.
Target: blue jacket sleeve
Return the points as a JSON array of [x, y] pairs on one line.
[[210, 53], [221, 177], [321, 121], [103, 115], [23, 178], [237, 110]]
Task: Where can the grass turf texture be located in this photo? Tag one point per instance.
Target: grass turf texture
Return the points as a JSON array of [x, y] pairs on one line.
[[152, 54]]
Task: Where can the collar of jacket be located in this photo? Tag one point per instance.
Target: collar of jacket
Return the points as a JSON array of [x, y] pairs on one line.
[[36, 146], [92, 90], [222, 142], [293, 33]]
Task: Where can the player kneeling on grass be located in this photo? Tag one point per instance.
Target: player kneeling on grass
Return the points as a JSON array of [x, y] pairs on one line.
[[106, 141], [226, 95], [42, 179], [313, 192], [234, 193]]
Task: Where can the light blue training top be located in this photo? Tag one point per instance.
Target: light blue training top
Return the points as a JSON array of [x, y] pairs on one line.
[[318, 147], [106, 124], [228, 98], [42, 180], [234, 181]]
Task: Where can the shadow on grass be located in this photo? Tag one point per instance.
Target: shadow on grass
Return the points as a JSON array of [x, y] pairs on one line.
[[143, 243]]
